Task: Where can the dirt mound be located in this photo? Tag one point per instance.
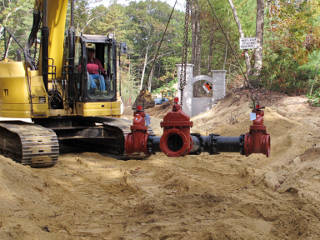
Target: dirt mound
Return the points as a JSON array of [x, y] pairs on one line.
[[226, 196], [159, 111]]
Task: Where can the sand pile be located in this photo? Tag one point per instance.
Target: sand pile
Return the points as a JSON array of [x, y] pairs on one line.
[[226, 196]]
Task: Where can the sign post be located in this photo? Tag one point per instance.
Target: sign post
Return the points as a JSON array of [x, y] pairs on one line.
[[248, 43]]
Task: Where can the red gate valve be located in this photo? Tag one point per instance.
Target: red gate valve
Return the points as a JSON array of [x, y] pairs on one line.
[[176, 139], [257, 140], [136, 141]]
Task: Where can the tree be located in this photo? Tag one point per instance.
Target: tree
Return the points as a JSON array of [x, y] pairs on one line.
[[17, 17], [146, 23], [259, 35], [292, 35], [196, 37], [256, 69]]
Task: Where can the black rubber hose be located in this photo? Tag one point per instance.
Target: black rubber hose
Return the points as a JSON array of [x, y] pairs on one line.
[[45, 45]]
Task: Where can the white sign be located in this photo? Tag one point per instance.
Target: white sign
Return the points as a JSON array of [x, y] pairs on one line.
[[253, 116], [248, 43]]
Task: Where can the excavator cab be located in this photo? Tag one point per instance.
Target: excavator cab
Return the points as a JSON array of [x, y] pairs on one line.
[[99, 86], [92, 90]]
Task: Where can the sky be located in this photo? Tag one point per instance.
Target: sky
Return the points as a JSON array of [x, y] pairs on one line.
[[180, 4]]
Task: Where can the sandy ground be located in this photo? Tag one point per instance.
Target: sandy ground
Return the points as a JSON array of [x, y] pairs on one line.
[[226, 196]]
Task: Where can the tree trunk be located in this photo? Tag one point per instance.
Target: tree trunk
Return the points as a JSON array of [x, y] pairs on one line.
[[246, 54], [210, 57], [196, 37], [1, 31], [225, 57], [5, 55], [150, 79], [144, 67], [259, 35], [7, 18]]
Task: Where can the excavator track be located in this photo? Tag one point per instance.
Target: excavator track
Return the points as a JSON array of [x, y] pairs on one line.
[[92, 134], [29, 144]]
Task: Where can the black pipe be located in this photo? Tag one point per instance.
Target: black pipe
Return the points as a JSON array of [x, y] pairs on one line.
[[33, 39], [214, 144], [71, 80], [45, 43], [71, 86], [114, 67], [45, 46], [153, 144]]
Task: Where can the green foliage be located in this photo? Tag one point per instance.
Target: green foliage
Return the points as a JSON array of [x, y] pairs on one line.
[[312, 66], [291, 36], [145, 25], [314, 98], [16, 15], [171, 86], [291, 39], [312, 70], [247, 14], [210, 31]]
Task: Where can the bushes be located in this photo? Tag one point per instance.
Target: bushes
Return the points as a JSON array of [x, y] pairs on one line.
[[291, 42]]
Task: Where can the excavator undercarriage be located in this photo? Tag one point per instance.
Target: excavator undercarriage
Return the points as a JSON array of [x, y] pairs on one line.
[[39, 144], [100, 134], [29, 144]]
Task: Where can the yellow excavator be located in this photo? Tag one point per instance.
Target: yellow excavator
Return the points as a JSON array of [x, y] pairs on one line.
[[54, 91]]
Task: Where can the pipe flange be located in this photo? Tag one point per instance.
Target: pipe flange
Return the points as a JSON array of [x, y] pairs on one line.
[[183, 150]]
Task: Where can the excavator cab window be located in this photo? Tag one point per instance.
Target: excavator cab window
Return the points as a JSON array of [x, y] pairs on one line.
[[100, 71], [77, 62], [95, 68]]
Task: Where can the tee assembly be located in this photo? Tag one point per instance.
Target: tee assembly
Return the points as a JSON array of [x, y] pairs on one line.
[[177, 140]]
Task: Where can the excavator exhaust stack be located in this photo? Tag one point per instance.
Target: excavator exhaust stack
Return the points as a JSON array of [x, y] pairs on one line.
[[177, 140]]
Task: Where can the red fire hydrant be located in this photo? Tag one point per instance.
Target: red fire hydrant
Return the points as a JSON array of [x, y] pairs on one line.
[[257, 140], [176, 139], [136, 141]]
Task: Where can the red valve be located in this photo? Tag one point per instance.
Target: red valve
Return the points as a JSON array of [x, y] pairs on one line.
[[257, 140], [136, 141], [176, 140], [139, 108]]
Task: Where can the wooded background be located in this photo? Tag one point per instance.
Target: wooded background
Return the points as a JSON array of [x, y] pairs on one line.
[[289, 50]]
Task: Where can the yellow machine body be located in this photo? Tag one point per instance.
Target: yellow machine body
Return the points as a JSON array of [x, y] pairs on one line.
[[71, 107], [22, 91], [15, 92], [15, 85], [57, 12]]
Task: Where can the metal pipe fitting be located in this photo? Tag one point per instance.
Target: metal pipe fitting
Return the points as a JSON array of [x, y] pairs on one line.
[[257, 140], [177, 141], [136, 142]]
